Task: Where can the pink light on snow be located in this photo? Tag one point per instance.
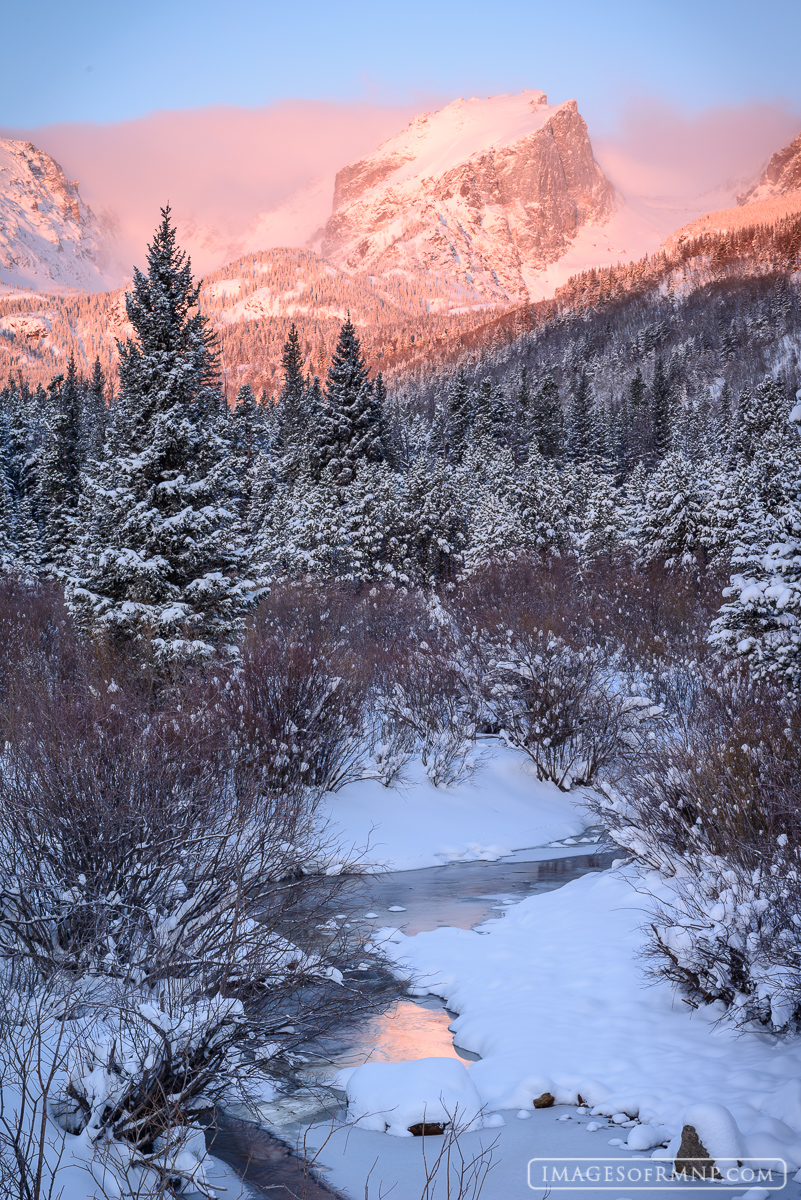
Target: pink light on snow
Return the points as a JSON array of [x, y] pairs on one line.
[[219, 168]]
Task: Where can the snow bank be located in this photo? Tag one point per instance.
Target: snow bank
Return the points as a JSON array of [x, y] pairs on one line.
[[395, 1096], [503, 808], [553, 994]]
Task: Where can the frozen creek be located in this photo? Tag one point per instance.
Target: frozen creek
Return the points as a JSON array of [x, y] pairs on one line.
[[460, 895]]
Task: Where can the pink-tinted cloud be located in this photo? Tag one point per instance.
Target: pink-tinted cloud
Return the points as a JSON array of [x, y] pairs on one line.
[[659, 151], [217, 167]]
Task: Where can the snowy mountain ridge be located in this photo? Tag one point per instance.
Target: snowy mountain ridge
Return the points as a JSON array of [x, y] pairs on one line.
[[488, 192], [49, 239], [781, 176]]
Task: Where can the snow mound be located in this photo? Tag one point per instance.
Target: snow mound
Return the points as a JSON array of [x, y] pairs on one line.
[[395, 1096], [502, 809], [718, 1133]]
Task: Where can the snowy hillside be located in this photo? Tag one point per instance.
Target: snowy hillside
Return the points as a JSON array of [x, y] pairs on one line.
[[488, 191], [49, 239]]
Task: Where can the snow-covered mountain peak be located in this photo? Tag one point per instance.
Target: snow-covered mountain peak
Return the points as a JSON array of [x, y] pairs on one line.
[[436, 142], [485, 191], [49, 239]]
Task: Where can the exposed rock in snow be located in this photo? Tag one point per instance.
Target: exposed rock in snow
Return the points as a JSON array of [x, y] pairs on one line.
[[49, 239], [484, 191], [710, 1139], [781, 175]]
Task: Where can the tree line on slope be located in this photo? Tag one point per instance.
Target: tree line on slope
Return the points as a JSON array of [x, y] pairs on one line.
[[166, 513]]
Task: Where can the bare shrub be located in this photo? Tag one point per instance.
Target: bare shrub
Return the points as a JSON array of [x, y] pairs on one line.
[[651, 615], [527, 594], [714, 809], [297, 704], [432, 705], [557, 703], [148, 856], [38, 1027], [450, 1172]]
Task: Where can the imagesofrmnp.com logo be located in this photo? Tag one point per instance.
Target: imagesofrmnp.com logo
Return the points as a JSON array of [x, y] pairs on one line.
[[610, 1174]]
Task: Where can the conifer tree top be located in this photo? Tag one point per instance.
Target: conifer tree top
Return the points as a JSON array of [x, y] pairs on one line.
[[160, 303]]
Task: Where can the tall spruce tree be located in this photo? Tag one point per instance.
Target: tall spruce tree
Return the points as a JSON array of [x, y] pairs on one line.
[[60, 469], [581, 421], [7, 517], [661, 411], [461, 413], [157, 565], [349, 426], [639, 432], [547, 420], [492, 412], [759, 413], [292, 409], [95, 414]]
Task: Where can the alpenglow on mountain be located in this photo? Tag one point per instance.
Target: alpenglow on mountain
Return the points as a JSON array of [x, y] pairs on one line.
[[485, 192], [781, 176], [49, 239]]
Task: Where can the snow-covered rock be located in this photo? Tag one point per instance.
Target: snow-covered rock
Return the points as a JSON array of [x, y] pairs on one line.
[[483, 191], [395, 1096], [781, 175], [716, 1130], [49, 239]]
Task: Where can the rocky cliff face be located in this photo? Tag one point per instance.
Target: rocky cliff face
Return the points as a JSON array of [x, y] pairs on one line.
[[48, 236], [782, 175], [482, 193]]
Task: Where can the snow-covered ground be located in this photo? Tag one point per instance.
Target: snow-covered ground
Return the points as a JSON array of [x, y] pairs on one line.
[[552, 997], [502, 809]]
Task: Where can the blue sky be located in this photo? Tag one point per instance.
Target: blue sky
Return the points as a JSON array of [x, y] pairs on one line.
[[93, 61]]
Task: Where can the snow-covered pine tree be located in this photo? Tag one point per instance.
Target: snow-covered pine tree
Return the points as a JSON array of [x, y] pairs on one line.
[[381, 421], [434, 520], [349, 426], [252, 464], [22, 469], [580, 420], [758, 413], [494, 526], [519, 433], [761, 621], [60, 470], [541, 504], [291, 410], [636, 505], [371, 523], [491, 412], [7, 516], [638, 434], [605, 523], [676, 523], [460, 410], [95, 415], [661, 411], [302, 532], [248, 429], [157, 566], [547, 420], [602, 440]]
